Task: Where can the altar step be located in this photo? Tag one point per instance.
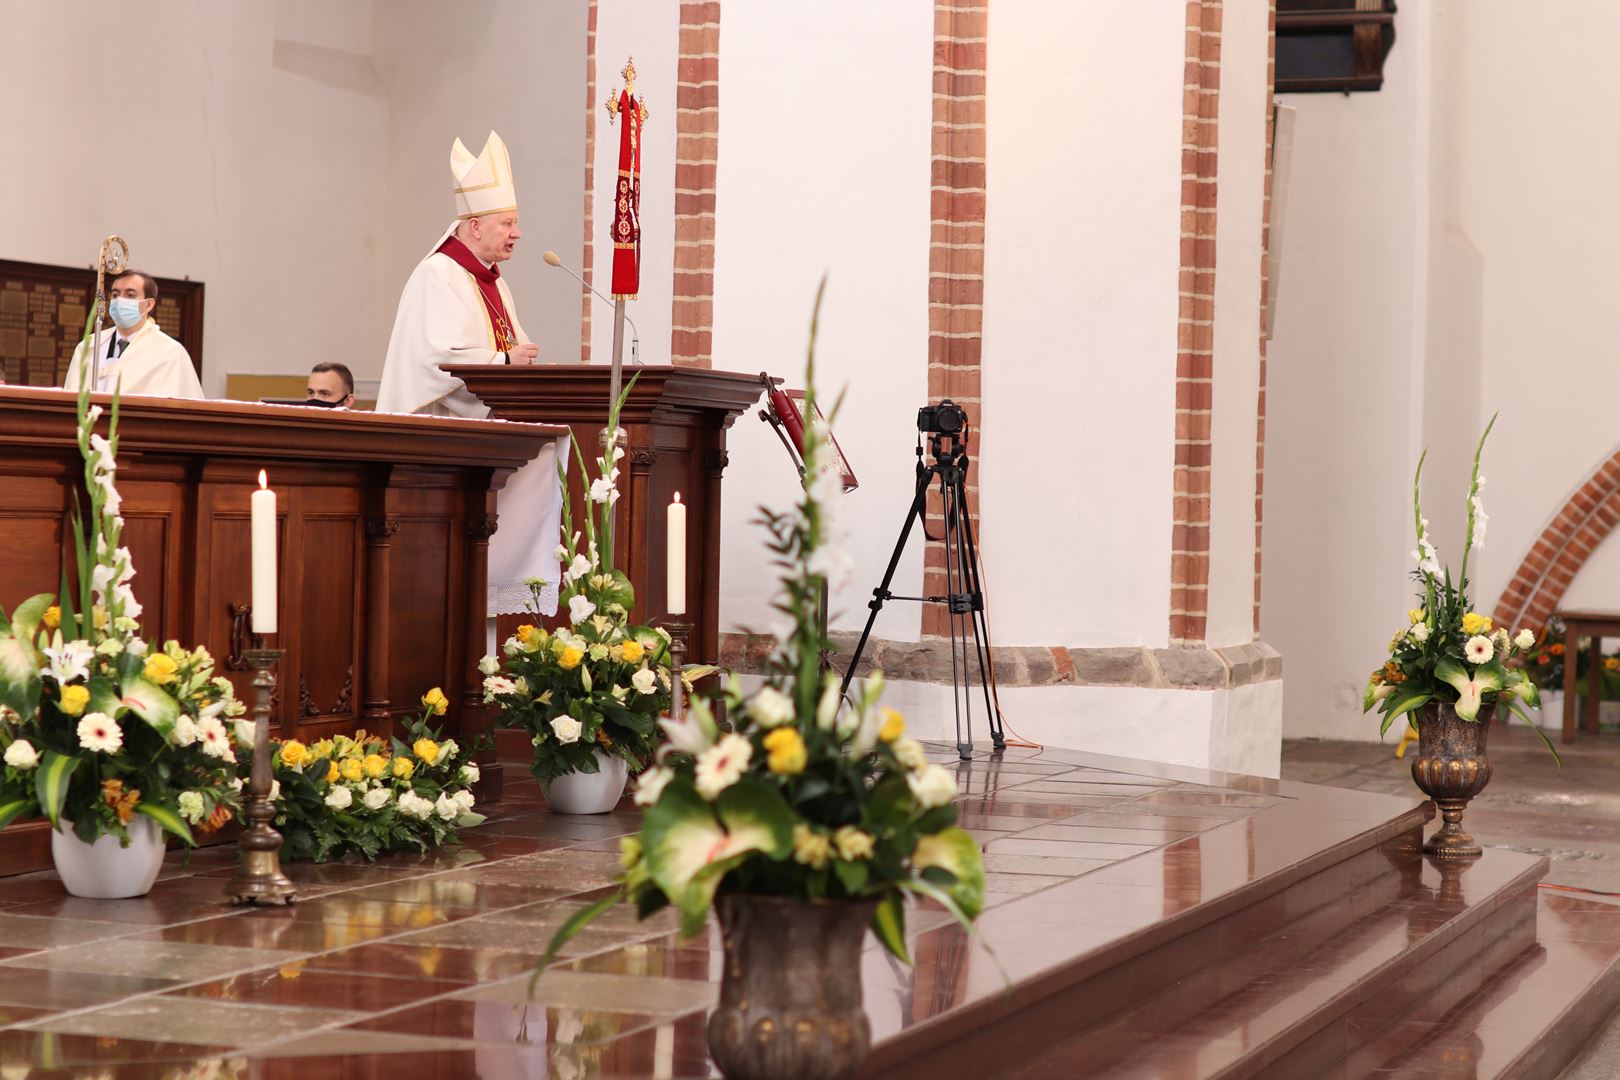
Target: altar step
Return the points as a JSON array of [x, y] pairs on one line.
[[1368, 960]]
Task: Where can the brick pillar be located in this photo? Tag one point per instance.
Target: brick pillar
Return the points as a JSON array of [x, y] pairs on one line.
[[956, 251], [1265, 294], [697, 136], [588, 257], [1195, 331]]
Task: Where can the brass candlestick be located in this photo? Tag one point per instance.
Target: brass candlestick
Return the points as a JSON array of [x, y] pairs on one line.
[[259, 878], [677, 656]]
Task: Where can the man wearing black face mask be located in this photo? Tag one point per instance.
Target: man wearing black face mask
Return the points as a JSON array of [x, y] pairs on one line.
[[330, 386]]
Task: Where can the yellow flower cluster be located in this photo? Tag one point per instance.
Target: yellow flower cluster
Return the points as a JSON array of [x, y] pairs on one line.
[[160, 668], [1475, 623], [785, 751]]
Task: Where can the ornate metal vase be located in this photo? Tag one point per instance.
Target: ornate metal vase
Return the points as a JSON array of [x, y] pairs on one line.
[[790, 999], [1451, 768]]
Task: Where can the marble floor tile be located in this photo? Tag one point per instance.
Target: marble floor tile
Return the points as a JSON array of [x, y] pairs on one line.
[[34, 931], [178, 961], [192, 1020], [404, 960]]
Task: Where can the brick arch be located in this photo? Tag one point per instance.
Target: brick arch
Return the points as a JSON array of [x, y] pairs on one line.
[[1581, 524]]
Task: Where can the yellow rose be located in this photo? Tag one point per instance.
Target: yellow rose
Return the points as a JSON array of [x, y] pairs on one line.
[[810, 848], [1475, 623], [1415, 615], [435, 700], [852, 844], [785, 753], [404, 767], [427, 750], [375, 765], [160, 669], [632, 651], [894, 725], [74, 699], [352, 770], [52, 617], [332, 772], [570, 658], [321, 749], [294, 753], [531, 637]]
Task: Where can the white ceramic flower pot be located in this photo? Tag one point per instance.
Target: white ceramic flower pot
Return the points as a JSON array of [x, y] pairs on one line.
[[589, 793], [104, 870]]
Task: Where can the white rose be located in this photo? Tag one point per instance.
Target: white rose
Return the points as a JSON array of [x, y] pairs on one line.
[[22, 755], [470, 774], [464, 799], [932, 786], [645, 681], [339, 797], [377, 798], [567, 729], [447, 750], [489, 665], [244, 732], [1525, 639], [770, 707], [184, 733], [911, 753], [447, 807], [1420, 633]]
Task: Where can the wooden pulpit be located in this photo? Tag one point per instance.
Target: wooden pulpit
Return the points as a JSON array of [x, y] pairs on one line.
[[676, 420]]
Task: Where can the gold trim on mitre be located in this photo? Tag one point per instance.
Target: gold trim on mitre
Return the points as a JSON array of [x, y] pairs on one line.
[[483, 184]]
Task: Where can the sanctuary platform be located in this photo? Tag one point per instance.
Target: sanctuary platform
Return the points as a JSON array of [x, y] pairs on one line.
[[1143, 921]]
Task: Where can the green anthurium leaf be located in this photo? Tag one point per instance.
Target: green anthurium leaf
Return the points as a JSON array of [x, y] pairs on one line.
[[889, 925], [11, 809], [942, 897], [151, 703], [1471, 688], [25, 619], [955, 851], [684, 836], [19, 675], [103, 696], [169, 818], [51, 783]]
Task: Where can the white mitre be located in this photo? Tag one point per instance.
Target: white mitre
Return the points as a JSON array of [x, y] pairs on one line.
[[483, 183]]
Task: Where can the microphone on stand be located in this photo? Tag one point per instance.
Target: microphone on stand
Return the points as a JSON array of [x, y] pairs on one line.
[[635, 337]]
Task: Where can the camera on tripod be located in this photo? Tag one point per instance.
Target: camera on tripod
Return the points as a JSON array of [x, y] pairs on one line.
[[946, 418]]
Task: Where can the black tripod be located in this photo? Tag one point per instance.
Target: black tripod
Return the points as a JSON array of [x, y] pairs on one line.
[[964, 595]]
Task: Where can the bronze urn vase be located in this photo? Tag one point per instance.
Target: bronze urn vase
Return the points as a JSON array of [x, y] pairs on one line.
[[790, 996], [1451, 768]]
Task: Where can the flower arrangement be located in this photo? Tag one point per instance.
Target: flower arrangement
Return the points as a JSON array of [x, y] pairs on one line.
[[368, 796], [96, 727], [600, 683], [1448, 653], [805, 798], [1544, 659]]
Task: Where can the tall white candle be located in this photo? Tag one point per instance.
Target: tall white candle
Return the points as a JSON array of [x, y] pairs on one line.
[[263, 505], [676, 545]]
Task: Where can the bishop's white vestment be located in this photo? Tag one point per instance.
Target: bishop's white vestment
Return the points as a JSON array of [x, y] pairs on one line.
[[153, 364]]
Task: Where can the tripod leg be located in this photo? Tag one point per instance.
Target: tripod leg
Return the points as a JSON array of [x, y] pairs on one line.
[[981, 632], [919, 503], [961, 697]]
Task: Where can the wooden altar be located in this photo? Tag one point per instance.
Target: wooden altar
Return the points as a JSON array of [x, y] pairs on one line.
[[384, 539], [676, 420]]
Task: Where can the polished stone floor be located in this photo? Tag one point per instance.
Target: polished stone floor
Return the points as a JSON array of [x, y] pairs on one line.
[[424, 961], [1571, 814]]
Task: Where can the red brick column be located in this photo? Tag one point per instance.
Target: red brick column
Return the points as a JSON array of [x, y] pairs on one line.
[[1265, 294], [587, 259], [1195, 331], [697, 136], [1581, 524], [956, 251]]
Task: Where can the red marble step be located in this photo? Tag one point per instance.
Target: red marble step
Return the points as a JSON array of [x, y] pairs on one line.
[[1527, 1021]]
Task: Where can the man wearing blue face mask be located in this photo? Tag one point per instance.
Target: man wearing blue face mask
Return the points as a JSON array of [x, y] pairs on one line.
[[134, 353]]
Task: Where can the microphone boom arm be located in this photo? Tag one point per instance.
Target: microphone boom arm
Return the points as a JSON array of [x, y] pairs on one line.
[[635, 335]]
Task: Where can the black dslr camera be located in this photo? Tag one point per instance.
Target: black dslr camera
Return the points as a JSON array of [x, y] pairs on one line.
[[946, 418]]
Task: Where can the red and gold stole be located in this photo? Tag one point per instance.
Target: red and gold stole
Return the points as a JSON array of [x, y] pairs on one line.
[[500, 321]]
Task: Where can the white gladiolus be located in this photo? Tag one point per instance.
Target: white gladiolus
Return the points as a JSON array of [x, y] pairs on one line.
[[580, 608]]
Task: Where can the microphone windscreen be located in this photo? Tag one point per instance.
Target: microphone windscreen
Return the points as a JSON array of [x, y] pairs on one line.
[[551, 258]]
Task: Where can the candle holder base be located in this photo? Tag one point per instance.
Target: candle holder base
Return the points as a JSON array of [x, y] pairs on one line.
[[259, 879]]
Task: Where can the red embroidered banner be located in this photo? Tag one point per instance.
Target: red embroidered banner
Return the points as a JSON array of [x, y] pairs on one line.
[[627, 201]]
